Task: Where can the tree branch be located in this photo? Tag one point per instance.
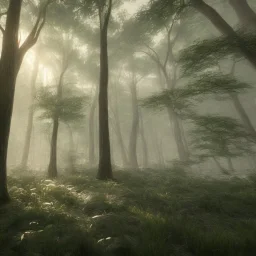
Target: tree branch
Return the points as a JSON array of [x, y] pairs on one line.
[[36, 30]]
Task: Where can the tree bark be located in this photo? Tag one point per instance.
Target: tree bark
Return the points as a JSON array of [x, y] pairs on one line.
[[92, 129], [24, 160], [144, 142], [212, 15], [8, 74], [244, 12], [105, 166], [133, 161]]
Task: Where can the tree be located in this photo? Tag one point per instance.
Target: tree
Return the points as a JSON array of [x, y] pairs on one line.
[[212, 15], [25, 155], [60, 104], [11, 59], [105, 168], [208, 55], [220, 137]]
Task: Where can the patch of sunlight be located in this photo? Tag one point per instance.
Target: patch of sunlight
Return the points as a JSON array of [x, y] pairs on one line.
[[113, 199], [163, 195], [104, 239], [146, 215], [84, 197]]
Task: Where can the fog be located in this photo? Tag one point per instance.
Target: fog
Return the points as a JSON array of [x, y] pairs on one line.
[[127, 127], [153, 126]]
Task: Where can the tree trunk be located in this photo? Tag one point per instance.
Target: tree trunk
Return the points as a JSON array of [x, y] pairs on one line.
[[8, 74], [52, 168], [221, 168], [215, 18], [120, 140], [25, 154], [242, 113], [230, 164], [91, 130], [245, 14], [144, 142], [133, 161], [105, 167], [184, 139], [71, 151], [183, 154], [118, 129]]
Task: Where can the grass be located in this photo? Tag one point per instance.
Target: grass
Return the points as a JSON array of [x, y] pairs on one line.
[[149, 212]]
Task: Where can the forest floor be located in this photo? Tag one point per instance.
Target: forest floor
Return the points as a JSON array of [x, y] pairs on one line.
[[153, 213]]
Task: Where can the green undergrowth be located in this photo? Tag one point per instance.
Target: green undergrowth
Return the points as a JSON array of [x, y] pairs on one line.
[[147, 212]]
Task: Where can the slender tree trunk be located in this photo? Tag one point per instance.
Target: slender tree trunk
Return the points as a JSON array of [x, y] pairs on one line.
[[92, 130], [144, 142], [118, 129], [157, 146], [230, 164], [221, 168], [105, 167], [71, 156], [8, 74], [120, 140], [215, 18], [174, 120], [184, 139], [52, 168], [246, 15], [24, 160], [135, 127], [183, 154], [242, 113]]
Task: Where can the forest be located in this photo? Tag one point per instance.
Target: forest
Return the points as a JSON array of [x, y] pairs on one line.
[[127, 127]]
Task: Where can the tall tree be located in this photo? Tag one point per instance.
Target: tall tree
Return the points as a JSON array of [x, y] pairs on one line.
[[105, 167], [52, 168], [11, 59], [25, 154]]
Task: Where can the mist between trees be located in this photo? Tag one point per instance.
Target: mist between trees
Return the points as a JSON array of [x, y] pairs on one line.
[[131, 84], [135, 85]]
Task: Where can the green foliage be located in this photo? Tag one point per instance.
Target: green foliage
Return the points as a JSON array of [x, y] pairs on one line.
[[69, 108], [182, 100], [207, 53], [152, 212], [220, 136], [178, 99]]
